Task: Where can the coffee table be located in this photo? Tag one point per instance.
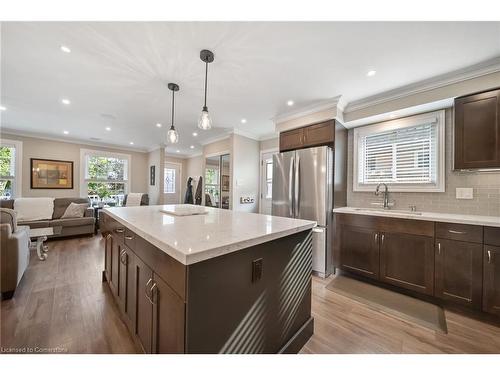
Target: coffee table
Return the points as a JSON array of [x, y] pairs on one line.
[[40, 234]]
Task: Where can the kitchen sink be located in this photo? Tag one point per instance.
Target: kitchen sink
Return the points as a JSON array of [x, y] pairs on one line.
[[406, 212]]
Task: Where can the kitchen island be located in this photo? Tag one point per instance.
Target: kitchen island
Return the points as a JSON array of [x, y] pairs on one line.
[[219, 282]]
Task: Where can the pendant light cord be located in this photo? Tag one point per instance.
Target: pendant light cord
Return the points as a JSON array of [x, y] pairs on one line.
[[206, 75], [173, 107]]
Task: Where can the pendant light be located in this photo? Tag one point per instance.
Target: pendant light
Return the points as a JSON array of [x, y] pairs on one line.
[[205, 122], [172, 135]]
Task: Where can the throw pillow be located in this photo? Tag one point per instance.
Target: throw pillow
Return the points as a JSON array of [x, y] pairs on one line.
[[75, 210]]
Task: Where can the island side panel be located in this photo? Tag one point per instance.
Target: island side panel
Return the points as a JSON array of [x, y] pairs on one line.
[[230, 310]]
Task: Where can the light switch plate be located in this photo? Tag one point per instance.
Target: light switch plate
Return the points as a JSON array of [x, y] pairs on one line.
[[464, 193]]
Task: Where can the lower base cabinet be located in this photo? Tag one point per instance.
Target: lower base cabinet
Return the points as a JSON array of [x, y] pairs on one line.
[[359, 251], [144, 304], [458, 273], [491, 286], [407, 260]]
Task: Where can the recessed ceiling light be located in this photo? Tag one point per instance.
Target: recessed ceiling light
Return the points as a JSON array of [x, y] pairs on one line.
[[158, 125], [65, 101], [195, 134], [2, 108], [65, 132], [243, 120], [371, 73], [289, 103], [177, 151], [131, 143], [108, 128], [65, 49], [191, 147]]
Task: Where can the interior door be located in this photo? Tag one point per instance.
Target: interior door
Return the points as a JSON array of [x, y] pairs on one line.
[[266, 182], [172, 186], [283, 181], [313, 183]]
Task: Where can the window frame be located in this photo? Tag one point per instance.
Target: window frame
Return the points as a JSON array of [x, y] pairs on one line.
[[411, 121], [18, 164], [175, 180], [83, 168]]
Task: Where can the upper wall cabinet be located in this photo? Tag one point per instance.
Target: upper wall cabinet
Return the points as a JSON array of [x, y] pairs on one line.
[[477, 130], [310, 136]]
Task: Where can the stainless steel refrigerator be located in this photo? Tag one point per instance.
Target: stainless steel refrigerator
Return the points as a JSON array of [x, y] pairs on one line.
[[303, 188]]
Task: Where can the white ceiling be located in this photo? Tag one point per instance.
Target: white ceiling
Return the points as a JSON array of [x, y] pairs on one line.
[[121, 69]]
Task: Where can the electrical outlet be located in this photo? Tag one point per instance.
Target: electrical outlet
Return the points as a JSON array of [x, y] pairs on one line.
[[256, 270], [464, 193]]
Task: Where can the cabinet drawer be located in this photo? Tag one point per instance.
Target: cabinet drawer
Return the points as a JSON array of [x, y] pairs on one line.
[[460, 232], [129, 239], [492, 236]]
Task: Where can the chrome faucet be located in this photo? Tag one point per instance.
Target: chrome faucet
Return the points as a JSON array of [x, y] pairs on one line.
[[386, 195]]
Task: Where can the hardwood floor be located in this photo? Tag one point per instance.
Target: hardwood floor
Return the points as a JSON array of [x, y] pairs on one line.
[[61, 305]]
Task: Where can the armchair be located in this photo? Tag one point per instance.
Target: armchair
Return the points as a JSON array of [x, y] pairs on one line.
[[14, 252]]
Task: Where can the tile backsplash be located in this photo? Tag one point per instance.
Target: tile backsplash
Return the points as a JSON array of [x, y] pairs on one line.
[[485, 185]]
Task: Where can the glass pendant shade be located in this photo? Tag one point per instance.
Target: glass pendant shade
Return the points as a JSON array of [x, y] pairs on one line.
[[204, 122], [172, 135]]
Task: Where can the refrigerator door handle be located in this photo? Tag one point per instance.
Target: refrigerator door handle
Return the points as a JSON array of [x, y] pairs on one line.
[[297, 187], [290, 187]]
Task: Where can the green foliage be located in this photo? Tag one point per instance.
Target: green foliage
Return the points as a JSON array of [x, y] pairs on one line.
[[107, 169], [6, 155]]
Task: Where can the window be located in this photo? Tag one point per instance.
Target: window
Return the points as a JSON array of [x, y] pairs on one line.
[[269, 178], [169, 181], [212, 185], [105, 176], [10, 169], [407, 154]]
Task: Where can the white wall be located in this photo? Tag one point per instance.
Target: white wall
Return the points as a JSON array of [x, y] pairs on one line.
[[156, 158], [246, 172], [194, 169], [58, 150]]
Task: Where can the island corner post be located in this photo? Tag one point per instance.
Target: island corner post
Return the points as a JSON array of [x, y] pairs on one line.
[[253, 300]]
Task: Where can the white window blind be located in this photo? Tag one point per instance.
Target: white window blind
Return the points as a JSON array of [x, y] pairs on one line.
[[399, 156]]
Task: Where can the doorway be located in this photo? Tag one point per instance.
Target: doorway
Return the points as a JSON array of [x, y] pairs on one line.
[[172, 184], [266, 181]]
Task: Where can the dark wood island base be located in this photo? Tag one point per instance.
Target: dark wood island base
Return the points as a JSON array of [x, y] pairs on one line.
[[253, 300]]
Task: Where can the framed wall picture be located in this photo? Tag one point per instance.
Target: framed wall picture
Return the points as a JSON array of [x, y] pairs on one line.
[[51, 174], [225, 182], [152, 175]]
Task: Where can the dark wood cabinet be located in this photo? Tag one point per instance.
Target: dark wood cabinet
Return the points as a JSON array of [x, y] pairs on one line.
[[407, 260], [491, 279], [115, 269], [144, 303], [320, 134], [477, 130], [168, 319], [108, 245], [127, 286], [359, 250], [458, 271]]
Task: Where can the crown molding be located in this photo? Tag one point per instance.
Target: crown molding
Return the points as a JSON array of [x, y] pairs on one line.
[[194, 155], [457, 76], [246, 134], [20, 133], [337, 103], [269, 136], [216, 138]]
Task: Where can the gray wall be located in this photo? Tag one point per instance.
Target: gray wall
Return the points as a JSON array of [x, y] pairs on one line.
[[486, 187]]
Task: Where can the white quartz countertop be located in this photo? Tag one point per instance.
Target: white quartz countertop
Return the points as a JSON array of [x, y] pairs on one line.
[[192, 239], [489, 221]]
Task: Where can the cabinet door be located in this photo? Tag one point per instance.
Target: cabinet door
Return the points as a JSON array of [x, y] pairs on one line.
[[319, 134], [359, 250], [407, 260], [144, 303], [292, 139], [458, 274], [127, 286], [108, 245], [491, 286], [168, 319], [477, 131], [115, 269]]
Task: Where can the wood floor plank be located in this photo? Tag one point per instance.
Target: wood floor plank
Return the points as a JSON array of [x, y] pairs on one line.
[[62, 304]]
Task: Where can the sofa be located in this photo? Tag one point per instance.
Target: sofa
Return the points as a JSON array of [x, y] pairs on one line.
[[62, 227], [14, 252]]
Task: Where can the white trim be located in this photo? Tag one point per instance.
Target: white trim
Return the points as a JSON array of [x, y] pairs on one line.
[[56, 138], [246, 134], [219, 153], [460, 75], [18, 177], [335, 103], [269, 136], [85, 151], [438, 116], [215, 139], [261, 171]]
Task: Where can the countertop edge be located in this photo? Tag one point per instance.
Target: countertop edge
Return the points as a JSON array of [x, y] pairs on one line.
[[429, 216], [211, 253]]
